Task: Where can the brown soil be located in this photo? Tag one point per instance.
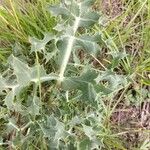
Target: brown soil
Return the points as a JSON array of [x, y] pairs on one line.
[[132, 121], [112, 8]]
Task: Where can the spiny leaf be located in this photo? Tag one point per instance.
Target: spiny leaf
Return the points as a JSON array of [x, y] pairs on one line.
[[10, 103], [87, 3], [59, 10], [52, 53], [117, 57], [88, 130], [76, 82], [12, 90], [88, 43], [21, 70], [34, 106], [3, 84], [73, 9], [53, 129], [114, 81], [26, 74], [85, 144], [39, 45], [83, 83]]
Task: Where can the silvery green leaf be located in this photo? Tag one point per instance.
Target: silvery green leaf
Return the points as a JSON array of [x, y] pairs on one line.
[[90, 94], [34, 106], [18, 50], [21, 70], [26, 74], [53, 129], [76, 82], [85, 144], [1, 140], [51, 52], [47, 126], [39, 45], [57, 10], [50, 55], [89, 132], [6, 84], [87, 3], [117, 57], [100, 88], [92, 135], [66, 10], [75, 121], [3, 84], [114, 81], [83, 83], [88, 43], [59, 27], [103, 20], [11, 89], [10, 103], [74, 9], [61, 132], [75, 58], [12, 123], [88, 19]]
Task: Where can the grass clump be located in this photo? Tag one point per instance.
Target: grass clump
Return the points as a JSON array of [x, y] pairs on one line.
[[21, 19]]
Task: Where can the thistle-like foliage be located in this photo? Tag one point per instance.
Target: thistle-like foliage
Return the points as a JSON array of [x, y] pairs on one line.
[[85, 84], [73, 16]]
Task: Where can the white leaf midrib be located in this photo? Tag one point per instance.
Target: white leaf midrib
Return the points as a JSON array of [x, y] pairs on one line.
[[68, 50]]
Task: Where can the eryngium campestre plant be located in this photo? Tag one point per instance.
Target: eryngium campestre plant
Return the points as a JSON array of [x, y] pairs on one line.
[[75, 121]]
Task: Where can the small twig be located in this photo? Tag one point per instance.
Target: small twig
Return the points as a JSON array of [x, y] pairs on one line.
[[99, 62], [131, 131]]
